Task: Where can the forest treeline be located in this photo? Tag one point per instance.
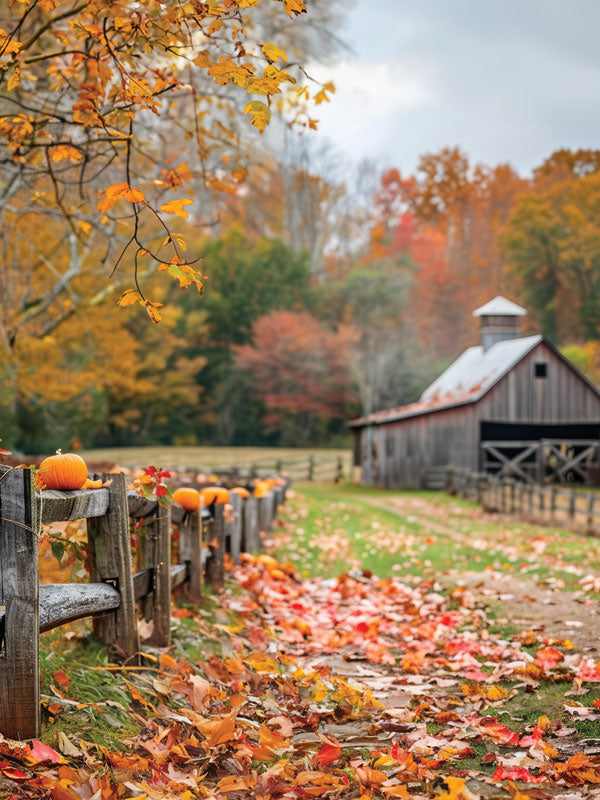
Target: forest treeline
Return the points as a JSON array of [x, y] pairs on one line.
[[323, 299], [168, 274]]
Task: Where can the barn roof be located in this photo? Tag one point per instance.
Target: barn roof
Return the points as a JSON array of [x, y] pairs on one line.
[[500, 307], [465, 381]]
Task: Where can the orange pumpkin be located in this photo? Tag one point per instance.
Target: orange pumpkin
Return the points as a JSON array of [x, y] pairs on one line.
[[187, 498], [214, 494], [65, 471], [262, 488], [241, 491]]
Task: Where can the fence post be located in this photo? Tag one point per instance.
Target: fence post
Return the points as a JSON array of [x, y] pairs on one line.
[[19, 594], [110, 550], [278, 466], [572, 497], [190, 533], [250, 537], [552, 503], [234, 527], [215, 566], [590, 512], [159, 531], [311, 468], [339, 473]]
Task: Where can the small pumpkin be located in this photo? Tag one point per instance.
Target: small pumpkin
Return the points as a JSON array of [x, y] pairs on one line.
[[187, 498], [66, 471], [262, 488], [241, 491], [214, 494]]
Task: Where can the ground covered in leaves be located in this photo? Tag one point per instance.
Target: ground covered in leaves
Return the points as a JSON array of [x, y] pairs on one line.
[[314, 674]]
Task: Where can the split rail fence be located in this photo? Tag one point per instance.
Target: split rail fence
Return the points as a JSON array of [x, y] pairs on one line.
[[546, 505], [118, 588]]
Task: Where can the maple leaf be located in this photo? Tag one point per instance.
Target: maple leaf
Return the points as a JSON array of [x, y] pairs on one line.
[[218, 731], [273, 52], [261, 115], [517, 774], [177, 207], [330, 751]]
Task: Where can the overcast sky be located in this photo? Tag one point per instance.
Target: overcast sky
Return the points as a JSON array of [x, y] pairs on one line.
[[506, 81]]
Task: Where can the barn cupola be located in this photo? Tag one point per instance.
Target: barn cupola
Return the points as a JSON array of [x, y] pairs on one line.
[[499, 321]]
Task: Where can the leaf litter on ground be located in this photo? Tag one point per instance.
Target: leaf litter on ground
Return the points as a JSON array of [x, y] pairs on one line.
[[352, 686]]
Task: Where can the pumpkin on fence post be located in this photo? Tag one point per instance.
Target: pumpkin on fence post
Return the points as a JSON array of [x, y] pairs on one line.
[[66, 471]]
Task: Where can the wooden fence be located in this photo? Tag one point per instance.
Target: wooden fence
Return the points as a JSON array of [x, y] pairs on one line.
[[118, 587], [306, 468], [545, 505]]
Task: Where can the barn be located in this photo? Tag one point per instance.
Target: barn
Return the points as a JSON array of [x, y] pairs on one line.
[[511, 404]]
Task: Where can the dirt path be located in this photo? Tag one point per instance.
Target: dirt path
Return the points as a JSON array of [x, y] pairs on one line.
[[517, 601]]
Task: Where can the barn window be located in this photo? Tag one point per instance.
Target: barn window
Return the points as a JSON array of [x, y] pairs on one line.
[[389, 446], [540, 369]]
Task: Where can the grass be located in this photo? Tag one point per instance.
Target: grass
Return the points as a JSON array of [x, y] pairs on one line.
[[336, 527], [210, 457], [339, 526]]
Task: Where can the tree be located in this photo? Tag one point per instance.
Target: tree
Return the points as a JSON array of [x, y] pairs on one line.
[[100, 105], [553, 244], [300, 371]]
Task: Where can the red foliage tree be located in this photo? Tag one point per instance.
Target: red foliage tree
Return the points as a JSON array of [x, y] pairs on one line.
[[299, 369]]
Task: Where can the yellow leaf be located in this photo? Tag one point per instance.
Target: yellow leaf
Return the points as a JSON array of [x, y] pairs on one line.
[[495, 693], [273, 52], [294, 6], [62, 151], [177, 207], [128, 298], [15, 79], [261, 116], [152, 309]]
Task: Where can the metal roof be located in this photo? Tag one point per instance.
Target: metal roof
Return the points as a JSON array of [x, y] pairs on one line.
[[500, 307], [476, 370], [465, 381]]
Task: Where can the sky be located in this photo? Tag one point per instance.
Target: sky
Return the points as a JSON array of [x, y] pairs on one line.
[[507, 81]]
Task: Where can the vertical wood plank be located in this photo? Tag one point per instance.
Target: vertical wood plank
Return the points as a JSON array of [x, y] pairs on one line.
[[108, 537], [235, 527], [159, 530], [215, 566], [191, 552], [250, 536], [19, 594]]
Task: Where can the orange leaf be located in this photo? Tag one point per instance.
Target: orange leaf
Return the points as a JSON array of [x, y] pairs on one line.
[[327, 754], [218, 731], [119, 191]]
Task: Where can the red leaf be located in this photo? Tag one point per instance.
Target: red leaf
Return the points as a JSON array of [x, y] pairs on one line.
[[40, 753], [327, 754], [517, 774], [62, 678]]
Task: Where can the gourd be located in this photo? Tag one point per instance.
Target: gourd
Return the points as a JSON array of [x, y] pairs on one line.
[[187, 498], [214, 494], [241, 491], [66, 471]]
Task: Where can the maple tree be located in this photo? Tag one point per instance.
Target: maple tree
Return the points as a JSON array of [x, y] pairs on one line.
[[299, 369]]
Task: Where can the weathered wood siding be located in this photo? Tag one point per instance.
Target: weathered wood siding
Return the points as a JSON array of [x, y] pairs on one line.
[[397, 454], [521, 397]]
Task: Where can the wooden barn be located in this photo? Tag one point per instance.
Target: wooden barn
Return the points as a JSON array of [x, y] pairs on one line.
[[512, 404]]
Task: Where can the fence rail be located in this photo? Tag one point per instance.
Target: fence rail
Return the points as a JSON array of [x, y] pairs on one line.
[[118, 587], [546, 505]]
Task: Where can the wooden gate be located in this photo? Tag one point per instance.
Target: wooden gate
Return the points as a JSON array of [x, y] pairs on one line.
[[543, 461]]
